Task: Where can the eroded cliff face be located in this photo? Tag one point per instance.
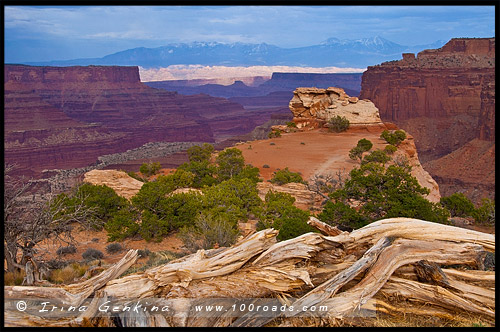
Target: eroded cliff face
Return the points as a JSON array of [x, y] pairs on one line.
[[452, 85], [314, 107], [445, 98], [65, 117]]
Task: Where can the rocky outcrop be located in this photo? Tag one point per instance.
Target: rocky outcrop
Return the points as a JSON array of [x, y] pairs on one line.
[[445, 98], [119, 181], [313, 107], [304, 197], [408, 151], [66, 117]]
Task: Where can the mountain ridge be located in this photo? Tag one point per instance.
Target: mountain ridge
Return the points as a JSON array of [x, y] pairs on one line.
[[332, 52]]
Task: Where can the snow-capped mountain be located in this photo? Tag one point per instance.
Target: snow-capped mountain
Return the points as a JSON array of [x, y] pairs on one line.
[[358, 53]]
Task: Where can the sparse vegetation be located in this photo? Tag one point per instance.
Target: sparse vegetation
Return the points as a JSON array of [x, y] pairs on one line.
[[209, 231], [381, 192], [485, 213], [142, 253], [338, 124], [280, 213], [274, 134], [265, 166], [377, 156], [114, 248], [136, 176], [149, 169], [356, 153], [71, 249], [92, 254], [393, 138], [281, 177], [458, 204], [390, 149], [365, 144]]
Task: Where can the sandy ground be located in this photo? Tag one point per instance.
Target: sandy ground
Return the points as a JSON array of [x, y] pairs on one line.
[[313, 152], [99, 241]]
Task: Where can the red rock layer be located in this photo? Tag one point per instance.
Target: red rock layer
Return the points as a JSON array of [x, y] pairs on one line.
[[445, 98], [65, 117], [455, 80]]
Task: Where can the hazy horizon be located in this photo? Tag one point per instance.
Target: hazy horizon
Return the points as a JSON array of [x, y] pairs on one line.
[[46, 33]]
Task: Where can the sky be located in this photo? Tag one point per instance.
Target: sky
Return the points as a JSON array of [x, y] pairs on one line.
[[44, 33]]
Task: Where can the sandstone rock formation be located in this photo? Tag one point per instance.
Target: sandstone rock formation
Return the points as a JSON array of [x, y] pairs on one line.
[[304, 198], [444, 98], [407, 150], [119, 181], [313, 107], [65, 117]]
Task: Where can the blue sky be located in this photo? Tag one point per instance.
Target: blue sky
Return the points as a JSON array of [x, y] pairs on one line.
[[43, 33]]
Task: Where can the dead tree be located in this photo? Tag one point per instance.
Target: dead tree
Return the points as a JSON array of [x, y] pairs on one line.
[[367, 269], [27, 223]]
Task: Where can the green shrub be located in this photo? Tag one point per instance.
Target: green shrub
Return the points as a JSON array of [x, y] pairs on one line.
[[230, 164], [342, 214], [390, 149], [458, 204], [486, 212], [234, 198], [101, 200], [150, 169], [364, 144], [291, 124], [274, 134], [208, 231], [200, 153], [377, 156], [280, 214], [393, 138], [388, 193], [356, 153], [123, 225], [284, 176], [338, 124]]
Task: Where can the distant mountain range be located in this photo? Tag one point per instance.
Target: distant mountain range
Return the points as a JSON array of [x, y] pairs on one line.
[[335, 52]]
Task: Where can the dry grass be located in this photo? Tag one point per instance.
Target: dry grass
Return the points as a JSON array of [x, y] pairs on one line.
[[13, 278], [68, 274]]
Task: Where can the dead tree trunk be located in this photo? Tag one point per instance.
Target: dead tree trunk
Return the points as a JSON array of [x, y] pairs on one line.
[[392, 258]]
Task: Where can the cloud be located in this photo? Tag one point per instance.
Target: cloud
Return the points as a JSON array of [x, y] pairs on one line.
[[189, 72], [101, 28]]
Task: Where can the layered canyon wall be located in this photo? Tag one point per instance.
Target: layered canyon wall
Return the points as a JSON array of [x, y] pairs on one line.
[[65, 117], [445, 98]]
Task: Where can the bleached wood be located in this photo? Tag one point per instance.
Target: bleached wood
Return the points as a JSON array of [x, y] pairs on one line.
[[362, 263]]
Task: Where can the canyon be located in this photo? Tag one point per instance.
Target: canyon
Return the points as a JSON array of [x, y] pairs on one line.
[[66, 117], [446, 99]]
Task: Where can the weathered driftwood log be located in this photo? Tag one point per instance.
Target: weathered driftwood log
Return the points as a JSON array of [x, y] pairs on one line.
[[409, 228], [323, 227], [342, 272]]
